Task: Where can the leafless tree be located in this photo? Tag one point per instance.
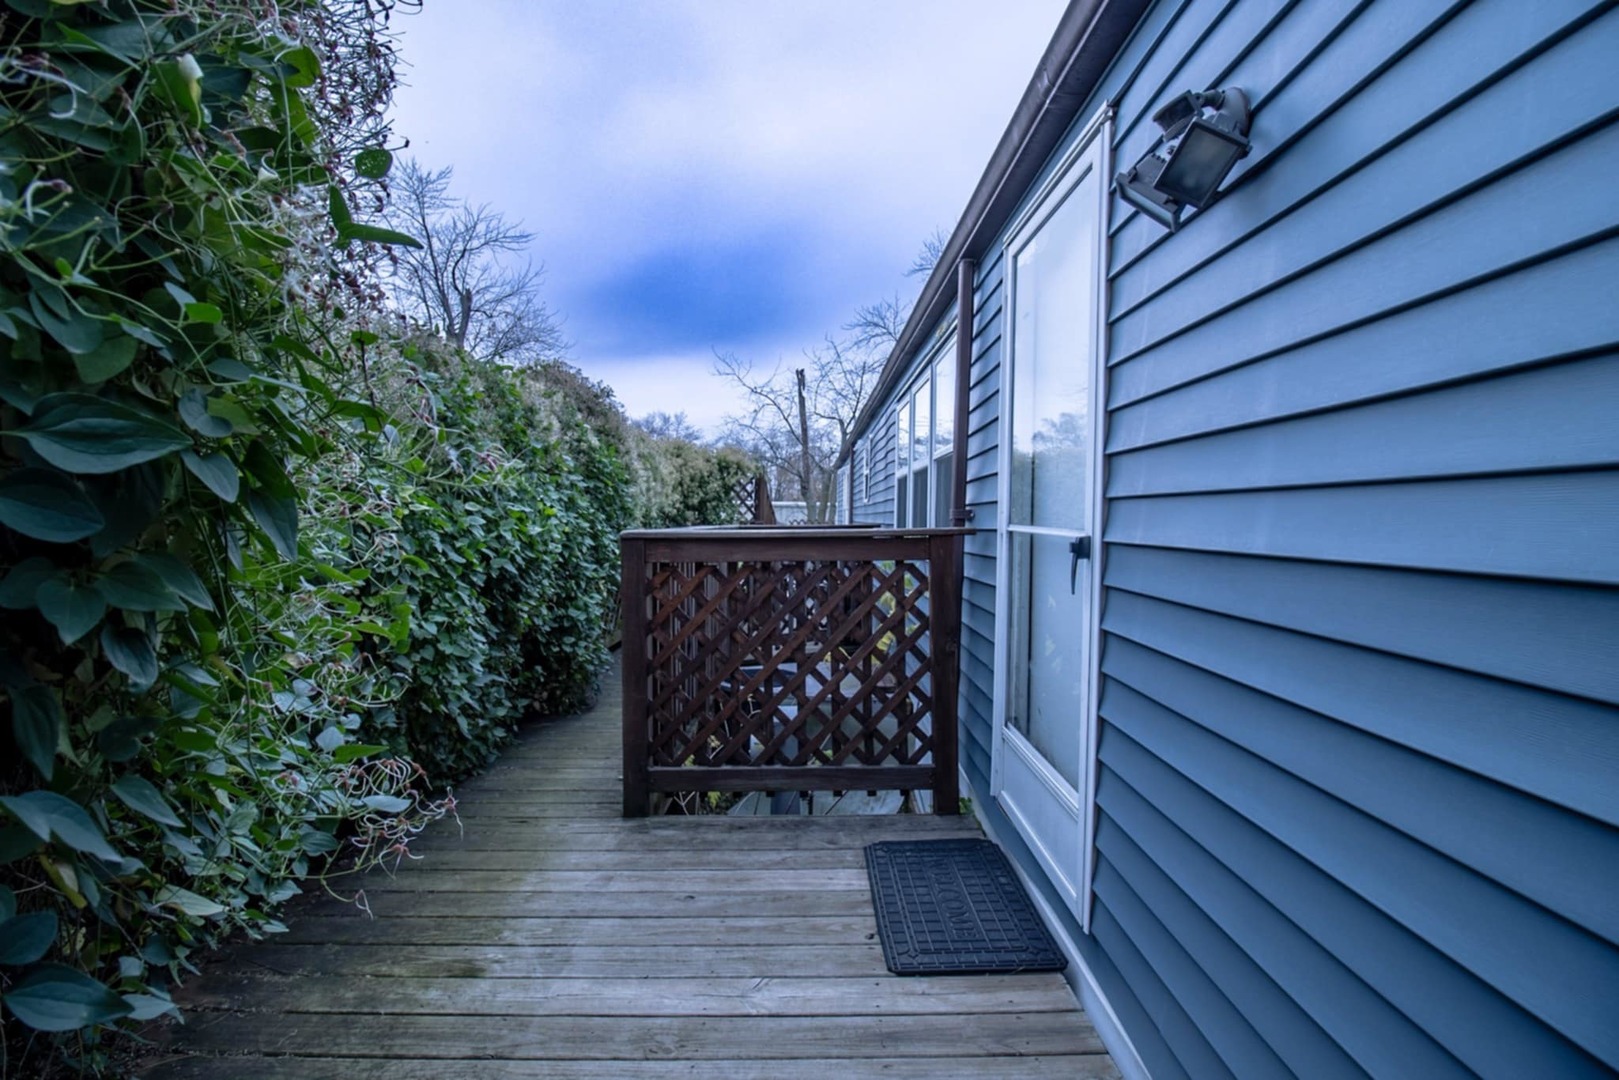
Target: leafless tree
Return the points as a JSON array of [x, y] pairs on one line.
[[932, 251], [876, 327], [676, 426], [879, 325], [471, 280], [799, 417]]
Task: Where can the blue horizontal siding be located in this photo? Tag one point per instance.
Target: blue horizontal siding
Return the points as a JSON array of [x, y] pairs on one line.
[[1562, 749], [1210, 855], [1568, 865], [1558, 526], [1357, 812], [1295, 1038], [1306, 145], [1565, 637], [1560, 201], [1362, 543], [1549, 418], [1388, 998], [1512, 321]]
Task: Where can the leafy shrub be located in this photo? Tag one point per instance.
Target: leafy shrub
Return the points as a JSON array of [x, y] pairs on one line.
[[484, 534], [680, 484], [233, 575]]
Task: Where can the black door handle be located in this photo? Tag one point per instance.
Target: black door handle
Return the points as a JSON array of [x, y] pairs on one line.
[[1080, 548]]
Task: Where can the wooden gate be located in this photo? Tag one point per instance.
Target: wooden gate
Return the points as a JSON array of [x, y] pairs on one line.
[[790, 659]]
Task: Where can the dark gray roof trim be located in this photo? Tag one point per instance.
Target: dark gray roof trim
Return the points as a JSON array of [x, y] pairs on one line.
[[1089, 35]]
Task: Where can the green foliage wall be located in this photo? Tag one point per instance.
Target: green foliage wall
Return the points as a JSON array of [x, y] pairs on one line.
[[266, 565], [679, 484]]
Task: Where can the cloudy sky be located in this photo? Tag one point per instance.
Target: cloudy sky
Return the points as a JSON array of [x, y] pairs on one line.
[[702, 175]]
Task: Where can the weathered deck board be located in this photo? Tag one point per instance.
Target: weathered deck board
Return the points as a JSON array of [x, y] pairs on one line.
[[736, 996], [827, 931], [617, 1038], [1077, 1067], [546, 937], [640, 904], [564, 961]]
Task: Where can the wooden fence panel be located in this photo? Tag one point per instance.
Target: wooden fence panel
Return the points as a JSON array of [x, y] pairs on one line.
[[790, 659]]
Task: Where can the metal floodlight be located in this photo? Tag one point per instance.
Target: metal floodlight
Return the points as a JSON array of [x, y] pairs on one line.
[[1205, 135]]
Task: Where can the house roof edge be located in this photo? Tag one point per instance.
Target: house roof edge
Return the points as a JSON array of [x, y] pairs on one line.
[[1087, 38]]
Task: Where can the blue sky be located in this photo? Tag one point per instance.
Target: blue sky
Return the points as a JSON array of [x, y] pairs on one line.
[[701, 175]]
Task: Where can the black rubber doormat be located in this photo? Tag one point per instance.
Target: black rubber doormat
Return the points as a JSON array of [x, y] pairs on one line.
[[955, 907]]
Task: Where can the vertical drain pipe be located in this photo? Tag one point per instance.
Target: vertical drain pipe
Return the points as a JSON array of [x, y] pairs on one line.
[[966, 270]]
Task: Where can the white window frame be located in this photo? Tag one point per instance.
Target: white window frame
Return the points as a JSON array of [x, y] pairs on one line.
[[904, 467]]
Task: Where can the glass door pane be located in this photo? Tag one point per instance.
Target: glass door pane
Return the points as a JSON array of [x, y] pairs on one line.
[[1047, 698], [1054, 336]]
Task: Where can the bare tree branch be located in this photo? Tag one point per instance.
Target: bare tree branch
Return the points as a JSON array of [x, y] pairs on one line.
[[932, 251], [471, 280]]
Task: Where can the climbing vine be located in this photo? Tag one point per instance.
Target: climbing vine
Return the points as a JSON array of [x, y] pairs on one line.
[[271, 566]]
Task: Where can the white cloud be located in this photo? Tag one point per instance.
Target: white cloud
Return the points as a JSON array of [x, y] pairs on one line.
[[676, 383], [843, 132]]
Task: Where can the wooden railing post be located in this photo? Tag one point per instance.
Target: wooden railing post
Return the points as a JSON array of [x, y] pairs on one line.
[[944, 619], [637, 736]]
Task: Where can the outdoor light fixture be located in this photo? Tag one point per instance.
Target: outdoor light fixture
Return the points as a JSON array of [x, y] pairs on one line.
[[1205, 135]]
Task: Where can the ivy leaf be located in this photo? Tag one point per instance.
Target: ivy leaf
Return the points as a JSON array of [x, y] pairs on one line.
[[262, 464], [204, 313], [305, 67], [36, 725], [279, 520], [55, 997], [345, 754], [375, 234], [180, 81], [74, 609], [373, 162], [387, 804], [139, 332], [187, 901], [109, 358], [216, 471], [329, 739], [227, 370], [178, 576], [141, 796], [149, 1006], [134, 586], [51, 816], [26, 938], [194, 411], [337, 208], [75, 331], [120, 740], [16, 843], [86, 434], [22, 582], [130, 651], [47, 505]]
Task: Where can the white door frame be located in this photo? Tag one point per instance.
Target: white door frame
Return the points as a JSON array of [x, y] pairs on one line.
[[1092, 151]]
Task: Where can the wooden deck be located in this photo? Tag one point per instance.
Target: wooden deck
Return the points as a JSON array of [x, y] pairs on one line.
[[554, 939]]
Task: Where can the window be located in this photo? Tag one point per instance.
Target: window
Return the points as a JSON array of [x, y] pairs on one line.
[[924, 440]]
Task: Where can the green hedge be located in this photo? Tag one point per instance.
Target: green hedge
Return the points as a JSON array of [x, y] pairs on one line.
[[265, 568]]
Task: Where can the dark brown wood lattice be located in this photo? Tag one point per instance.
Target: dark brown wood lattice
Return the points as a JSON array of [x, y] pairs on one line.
[[753, 503], [802, 659]]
